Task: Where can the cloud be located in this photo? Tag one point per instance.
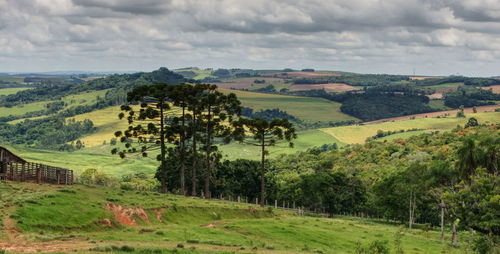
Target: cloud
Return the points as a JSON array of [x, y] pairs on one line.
[[392, 36]]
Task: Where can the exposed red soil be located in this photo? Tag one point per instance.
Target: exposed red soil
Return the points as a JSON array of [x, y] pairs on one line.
[[158, 213], [297, 74], [244, 83], [480, 109], [124, 215], [330, 87]]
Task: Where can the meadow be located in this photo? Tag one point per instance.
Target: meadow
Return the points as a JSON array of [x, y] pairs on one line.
[[305, 108], [358, 133], [7, 91], [91, 219], [23, 108]]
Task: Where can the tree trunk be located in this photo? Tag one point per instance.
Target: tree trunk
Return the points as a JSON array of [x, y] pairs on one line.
[[195, 155], [410, 210], [471, 235], [454, 233], [162, 144], [183, 153], [262, 183], [442, 220], [209, 147]]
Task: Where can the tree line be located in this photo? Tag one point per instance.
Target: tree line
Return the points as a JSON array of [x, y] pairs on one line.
[[182, 120]]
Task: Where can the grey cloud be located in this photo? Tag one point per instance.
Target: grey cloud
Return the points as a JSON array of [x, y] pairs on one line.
[[392, 36]]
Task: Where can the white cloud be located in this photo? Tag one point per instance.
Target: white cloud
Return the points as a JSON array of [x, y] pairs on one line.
[[391, 36]]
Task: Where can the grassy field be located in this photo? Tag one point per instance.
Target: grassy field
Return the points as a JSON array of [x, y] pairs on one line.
[[7, 91], [100, 157], [438, 105], [403, 135], [85, 219], [86, 98], [359, 133], [305, 108], [96, 157], [23, 109], [305, 139]]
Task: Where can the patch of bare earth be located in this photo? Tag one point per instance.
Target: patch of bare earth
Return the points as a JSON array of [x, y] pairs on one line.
[[423, 77], [494, 88], [480, 109], [438, 94], [330, 87], [244, 83], [124, 215]]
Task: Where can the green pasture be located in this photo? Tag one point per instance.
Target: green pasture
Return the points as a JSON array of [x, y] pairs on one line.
[[76, 215], [305, 139], [304, 108], [358, 133], [23, 108], [7, 91]]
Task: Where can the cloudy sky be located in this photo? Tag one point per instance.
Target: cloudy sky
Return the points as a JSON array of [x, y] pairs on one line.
[[434, 37]]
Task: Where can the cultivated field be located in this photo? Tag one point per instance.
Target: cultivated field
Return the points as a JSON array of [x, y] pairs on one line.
[[494, 89], [23, 109], [480, 109], [423, 77], [330, 87], [85, 219], [358, 133], [245, 83], [305, 108], [7, 91]]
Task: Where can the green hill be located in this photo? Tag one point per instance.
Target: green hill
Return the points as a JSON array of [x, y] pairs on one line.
[[89, 219]]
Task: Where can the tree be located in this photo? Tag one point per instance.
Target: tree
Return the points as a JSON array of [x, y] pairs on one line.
[[471, 123], [266, 134], [196, 108], [468, 158], [181, 98], [219, 109], [148, 125]]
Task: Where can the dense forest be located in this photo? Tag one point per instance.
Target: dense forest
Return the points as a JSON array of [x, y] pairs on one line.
[[470, 96], [377, 102], [52, 132]]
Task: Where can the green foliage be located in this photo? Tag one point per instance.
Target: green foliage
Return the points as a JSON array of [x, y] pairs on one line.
[[469, 97], [354, 80], [51, 132]]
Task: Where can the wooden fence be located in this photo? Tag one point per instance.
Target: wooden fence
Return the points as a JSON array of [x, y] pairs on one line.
[[35, 172]]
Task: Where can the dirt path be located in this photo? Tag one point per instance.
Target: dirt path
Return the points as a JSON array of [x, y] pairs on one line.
[[480, 109]]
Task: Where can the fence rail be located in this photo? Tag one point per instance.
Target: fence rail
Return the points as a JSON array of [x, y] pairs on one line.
[[35, 172]]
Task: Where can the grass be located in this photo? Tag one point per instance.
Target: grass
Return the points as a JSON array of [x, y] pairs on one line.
[[305, 139], [438, 105], [359, 133], [100, 157], [7, 91], [95, 157], [304, 108], [404, 135], [200, 74], [447, 85], [73, 216], [23, 109], [86, 98]]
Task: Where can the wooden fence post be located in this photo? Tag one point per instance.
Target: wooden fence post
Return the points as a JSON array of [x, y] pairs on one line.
[[238, 199], [275, 204], [256, 201]]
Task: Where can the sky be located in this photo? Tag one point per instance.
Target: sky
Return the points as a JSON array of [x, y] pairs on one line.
[[425, 37]]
